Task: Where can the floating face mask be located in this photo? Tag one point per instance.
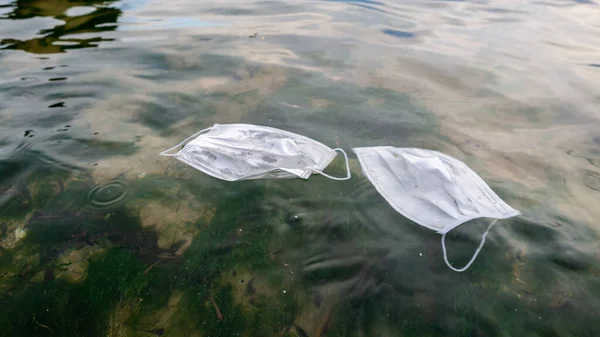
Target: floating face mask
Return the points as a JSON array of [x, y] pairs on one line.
[[432, 189], [242, 151]]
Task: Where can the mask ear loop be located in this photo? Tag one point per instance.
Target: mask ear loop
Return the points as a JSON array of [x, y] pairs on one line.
[[166, 152], [474, 255], [348, 175]]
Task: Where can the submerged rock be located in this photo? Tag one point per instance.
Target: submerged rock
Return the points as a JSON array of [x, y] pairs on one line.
[[174, 224], [11, 233], [131, 318], [145, 161], [73, 265], [20, 234]]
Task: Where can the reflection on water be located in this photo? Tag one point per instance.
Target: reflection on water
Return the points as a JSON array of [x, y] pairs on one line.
[[100, 236], [74, 17]]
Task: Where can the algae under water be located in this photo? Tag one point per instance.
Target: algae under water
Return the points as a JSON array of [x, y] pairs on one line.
[[101, 236]]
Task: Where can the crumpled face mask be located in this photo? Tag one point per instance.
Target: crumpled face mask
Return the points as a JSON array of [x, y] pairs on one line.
[[243, 151], [432, 189]]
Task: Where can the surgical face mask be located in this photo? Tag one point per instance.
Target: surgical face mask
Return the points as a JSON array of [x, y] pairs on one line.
[[242, 151], [432, 189]]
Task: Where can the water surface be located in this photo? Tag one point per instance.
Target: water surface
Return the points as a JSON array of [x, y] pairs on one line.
[[101, 236]]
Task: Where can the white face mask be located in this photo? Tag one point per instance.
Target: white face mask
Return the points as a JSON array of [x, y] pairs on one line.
[[242, 151], [432, 189]]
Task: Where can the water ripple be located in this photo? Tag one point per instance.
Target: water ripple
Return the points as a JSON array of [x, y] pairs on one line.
[[107, 194]]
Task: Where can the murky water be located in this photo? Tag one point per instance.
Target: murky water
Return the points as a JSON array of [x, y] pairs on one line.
[[101, 236]]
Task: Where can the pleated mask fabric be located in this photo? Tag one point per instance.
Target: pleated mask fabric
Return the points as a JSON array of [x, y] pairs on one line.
[[432, 189], [235, 152]]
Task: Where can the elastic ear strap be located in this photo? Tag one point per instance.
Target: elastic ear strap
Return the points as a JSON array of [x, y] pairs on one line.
[[348, 175], [474, 255], [166, 152]]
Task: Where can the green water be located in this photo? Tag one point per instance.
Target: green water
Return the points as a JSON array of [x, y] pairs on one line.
[[101, 236]]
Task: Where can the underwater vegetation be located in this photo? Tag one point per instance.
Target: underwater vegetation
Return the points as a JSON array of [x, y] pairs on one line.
[[76, 260], [86, 259]]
